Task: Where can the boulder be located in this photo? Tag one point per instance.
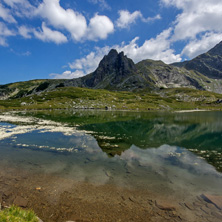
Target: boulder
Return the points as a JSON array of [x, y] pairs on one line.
[[216, 200], [20, 201], [163, 205]]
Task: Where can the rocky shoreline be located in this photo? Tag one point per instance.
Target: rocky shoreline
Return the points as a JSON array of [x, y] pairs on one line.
[[60, 199]]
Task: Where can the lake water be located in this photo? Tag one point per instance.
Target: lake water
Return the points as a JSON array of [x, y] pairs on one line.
[[175, 155]]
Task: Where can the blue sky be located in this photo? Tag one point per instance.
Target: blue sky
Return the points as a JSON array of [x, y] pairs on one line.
[[42, 39]]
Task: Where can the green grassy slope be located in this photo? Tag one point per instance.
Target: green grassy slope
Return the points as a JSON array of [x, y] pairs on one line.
[[83, 98]]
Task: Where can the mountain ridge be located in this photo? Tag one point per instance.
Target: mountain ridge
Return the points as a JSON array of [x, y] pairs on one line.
[[117, 72]]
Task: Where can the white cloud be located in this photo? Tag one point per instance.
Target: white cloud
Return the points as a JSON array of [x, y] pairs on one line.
[[67, 75], [12, 3], [196, 17], [198, 46], [48, 35], [60, 18], [100, 27], [152, 19], [74, 22], [4, 33], [89, 63], [155, 48], [5, 14], [3, 41], [21, 8], [198, 22], [25, 32], [52, 13], [126, 18]]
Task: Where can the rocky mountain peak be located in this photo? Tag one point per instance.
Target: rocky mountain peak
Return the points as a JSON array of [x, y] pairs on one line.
[[115, 63], [112, 69], [216, 50]]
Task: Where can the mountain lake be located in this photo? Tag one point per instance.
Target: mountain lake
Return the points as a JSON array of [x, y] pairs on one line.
[[91, 165]]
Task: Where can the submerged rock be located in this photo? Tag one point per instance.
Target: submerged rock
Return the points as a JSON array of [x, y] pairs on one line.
[[20, 201], [163, 205], [216, 200]]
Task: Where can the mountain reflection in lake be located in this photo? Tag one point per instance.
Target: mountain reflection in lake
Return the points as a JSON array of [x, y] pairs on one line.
[[122, 148]]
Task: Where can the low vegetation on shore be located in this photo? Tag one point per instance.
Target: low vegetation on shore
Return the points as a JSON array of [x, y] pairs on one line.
[[83, 98], [16, 214]]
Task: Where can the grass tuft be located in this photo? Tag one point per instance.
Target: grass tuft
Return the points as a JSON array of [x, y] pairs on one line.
[[16, 214]]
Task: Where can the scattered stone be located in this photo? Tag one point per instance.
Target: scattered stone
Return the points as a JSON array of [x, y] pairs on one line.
[[219, 101], [211, 206], [206, 210], [162, 205], [7, 193], [197, 204], [216, 200], [39, 219], [217, 215], [189, 206], [132, 200], [21, 202]]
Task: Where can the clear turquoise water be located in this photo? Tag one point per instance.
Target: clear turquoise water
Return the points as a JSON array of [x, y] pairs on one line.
[[164, 152]]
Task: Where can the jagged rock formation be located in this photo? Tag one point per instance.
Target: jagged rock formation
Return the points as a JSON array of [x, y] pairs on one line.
[[117, 72]]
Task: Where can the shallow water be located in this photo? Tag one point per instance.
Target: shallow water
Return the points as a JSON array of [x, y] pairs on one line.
[[175, 154]]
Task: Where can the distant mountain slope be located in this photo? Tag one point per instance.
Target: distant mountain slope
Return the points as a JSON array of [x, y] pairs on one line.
[[26, 88], [209, 63], [166, 76]]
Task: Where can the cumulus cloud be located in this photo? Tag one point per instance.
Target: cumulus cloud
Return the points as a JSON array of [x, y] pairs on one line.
[[155, 48], [100, 27], [196, 22], [48, 35], [67, 75], [74, 22], [62, 18], [6, 15], [198, 46], [126, 18]]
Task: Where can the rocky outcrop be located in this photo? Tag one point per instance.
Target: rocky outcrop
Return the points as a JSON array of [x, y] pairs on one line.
[[115, 72], [166, 76]]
